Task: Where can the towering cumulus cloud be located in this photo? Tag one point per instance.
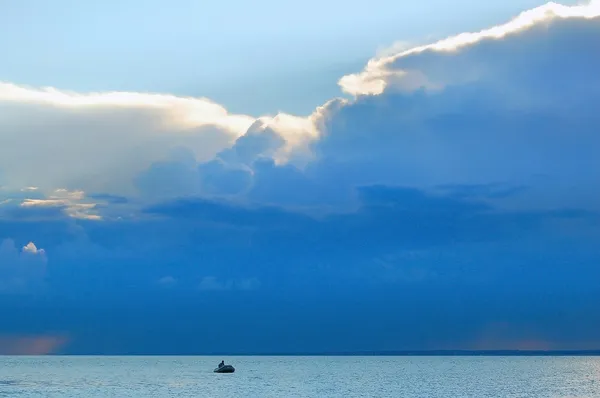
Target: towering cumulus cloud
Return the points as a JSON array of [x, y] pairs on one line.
[[509, 104], [458, 182]]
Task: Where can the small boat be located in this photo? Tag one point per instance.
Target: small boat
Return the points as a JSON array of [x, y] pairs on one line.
[[225, 369]]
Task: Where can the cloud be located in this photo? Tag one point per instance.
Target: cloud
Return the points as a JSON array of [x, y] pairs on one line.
[[174, 177], [507, 108], [21, 270], [217, 177], [229, 213], [381, 71], [32, 203], [184, 113], [388, 219], [283, 140], [510, 105], [129, 131]]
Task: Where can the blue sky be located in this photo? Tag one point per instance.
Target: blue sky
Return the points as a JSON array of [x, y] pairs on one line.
[[438, 194]]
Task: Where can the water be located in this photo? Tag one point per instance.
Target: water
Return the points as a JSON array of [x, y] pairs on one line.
[[429, 377]]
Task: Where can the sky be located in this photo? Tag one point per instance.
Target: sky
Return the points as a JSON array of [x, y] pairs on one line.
[[186, 178]]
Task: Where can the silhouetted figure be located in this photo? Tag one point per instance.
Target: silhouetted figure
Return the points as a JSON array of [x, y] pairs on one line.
[[222, 368]]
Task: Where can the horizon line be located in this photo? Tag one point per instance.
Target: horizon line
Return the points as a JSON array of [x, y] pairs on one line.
[[590, 352]]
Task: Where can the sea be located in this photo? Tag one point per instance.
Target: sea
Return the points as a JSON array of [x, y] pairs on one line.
[[295, 376]]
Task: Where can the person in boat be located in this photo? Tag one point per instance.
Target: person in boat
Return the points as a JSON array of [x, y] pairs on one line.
[[222, 364]]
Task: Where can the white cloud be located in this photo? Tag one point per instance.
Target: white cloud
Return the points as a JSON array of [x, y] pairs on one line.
[[31, 248], [21, 270], [72, 203], [380, 71], [99, 142], [174, 112], [33, 204]]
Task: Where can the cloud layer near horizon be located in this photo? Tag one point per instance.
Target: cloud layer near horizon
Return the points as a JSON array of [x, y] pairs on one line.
[[465, 168]]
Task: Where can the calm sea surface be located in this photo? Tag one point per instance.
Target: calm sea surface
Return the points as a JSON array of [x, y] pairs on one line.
[[425, 377]]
